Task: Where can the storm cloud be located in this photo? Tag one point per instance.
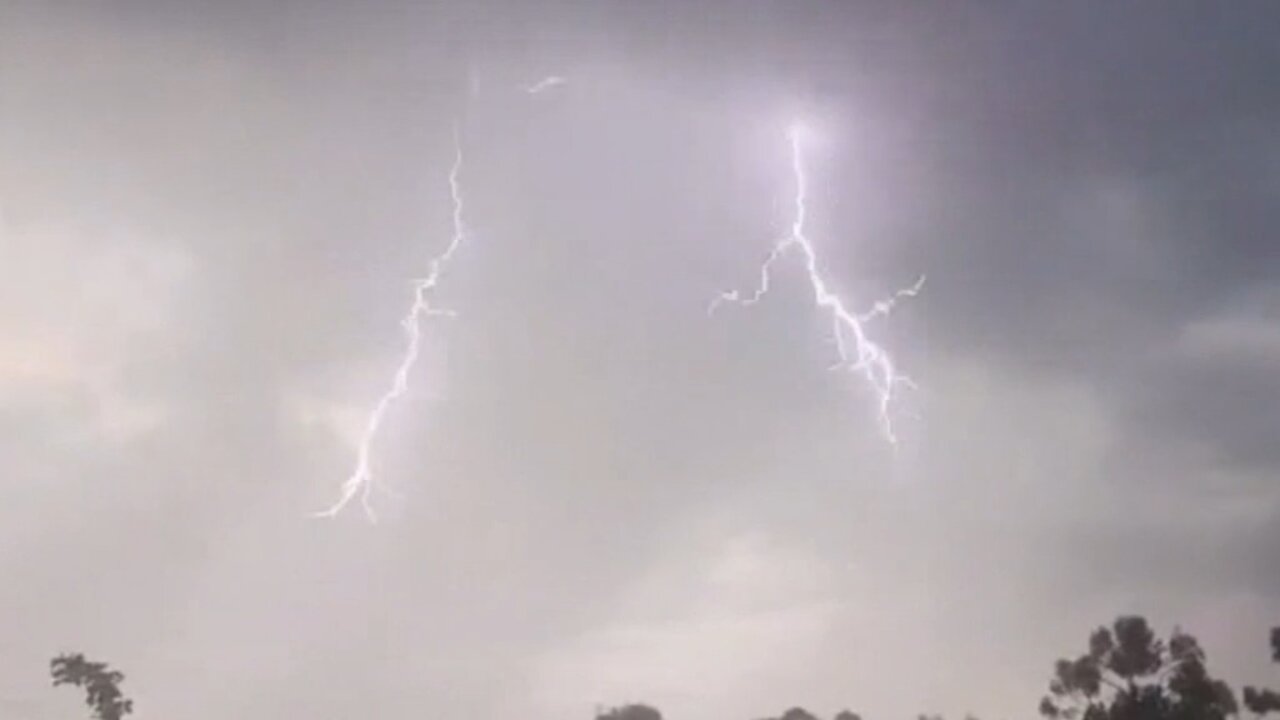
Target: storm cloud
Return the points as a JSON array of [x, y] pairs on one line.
[[212, 214]]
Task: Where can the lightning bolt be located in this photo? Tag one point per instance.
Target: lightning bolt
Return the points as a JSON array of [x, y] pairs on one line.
[[855, 350], [544, 84], [361, 482]]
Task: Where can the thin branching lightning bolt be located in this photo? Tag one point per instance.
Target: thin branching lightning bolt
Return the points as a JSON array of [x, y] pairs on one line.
[[360, 484], [856, 351]]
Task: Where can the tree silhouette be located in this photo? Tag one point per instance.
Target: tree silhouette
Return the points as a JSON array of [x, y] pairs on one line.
[[646, 712], [1130, 674], [1261, 700], [798, 713], [631, 712], [101, 685]]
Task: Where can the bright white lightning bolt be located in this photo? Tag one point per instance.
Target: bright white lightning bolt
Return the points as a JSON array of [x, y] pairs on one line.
[[855, 350], [361, 483]]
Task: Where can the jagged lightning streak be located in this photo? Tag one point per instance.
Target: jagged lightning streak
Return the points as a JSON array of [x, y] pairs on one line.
[[855, 350], [361, 483]]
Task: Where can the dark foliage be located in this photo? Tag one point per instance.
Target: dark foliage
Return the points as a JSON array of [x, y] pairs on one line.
[[630, 712], [1261, 700], [798, 713], [101, 685], [1130, 674]]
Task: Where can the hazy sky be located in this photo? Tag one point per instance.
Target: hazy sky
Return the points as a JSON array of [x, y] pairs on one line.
[[212, 213]]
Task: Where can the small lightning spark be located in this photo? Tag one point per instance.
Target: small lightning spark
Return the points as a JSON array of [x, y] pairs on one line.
[[855, 350], [361, 482], [545, 84]]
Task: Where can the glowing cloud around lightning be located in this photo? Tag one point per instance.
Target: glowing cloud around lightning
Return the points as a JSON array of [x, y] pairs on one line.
[[361, 482], [855, 350]]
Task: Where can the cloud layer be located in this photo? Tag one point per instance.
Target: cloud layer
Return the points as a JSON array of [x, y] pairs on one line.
[[211, 217]]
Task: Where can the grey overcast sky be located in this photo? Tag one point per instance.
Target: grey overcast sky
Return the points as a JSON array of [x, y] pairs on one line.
[[212, 213]]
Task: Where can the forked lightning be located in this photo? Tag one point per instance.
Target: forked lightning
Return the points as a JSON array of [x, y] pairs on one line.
[[856, 351]]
